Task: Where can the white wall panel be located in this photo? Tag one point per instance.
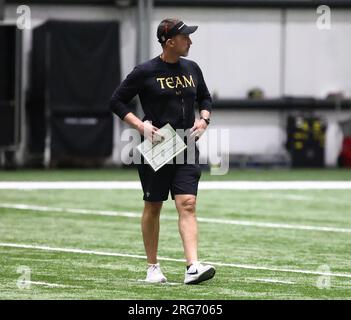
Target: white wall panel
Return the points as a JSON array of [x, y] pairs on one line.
[[237, 49]]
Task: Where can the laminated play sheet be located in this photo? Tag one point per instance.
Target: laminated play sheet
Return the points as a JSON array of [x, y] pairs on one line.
[[158, 154]]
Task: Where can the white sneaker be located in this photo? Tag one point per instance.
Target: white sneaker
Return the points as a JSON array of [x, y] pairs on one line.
[[198, 272], [154, 274]]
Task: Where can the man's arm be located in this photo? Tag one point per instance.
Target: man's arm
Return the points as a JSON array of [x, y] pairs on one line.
[[133, 121], [205, 106], [200, 125], [145, 128], [203, 95], [128, 89], [205, 114]]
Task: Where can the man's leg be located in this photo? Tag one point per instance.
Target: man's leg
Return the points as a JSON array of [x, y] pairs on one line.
[[196, 272], [187, 223], [150, 226]]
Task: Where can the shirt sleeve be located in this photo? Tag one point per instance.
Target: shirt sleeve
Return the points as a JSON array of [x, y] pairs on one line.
[[128, 89], [203, 96]]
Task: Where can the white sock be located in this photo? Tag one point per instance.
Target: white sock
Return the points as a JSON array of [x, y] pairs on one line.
[[193, 263]]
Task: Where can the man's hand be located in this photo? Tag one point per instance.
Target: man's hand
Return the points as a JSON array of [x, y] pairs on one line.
[[150, 132], [198, 129]]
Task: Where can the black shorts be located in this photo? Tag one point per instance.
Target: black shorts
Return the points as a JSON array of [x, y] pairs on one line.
[[176, 178]]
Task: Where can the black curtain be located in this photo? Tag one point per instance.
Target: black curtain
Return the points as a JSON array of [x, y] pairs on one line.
[[7, 62], [7, 85], [81, 136], [75, 70], [35, 106], [84, 66]]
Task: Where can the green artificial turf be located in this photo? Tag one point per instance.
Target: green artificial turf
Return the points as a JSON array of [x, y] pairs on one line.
[[262, 258]]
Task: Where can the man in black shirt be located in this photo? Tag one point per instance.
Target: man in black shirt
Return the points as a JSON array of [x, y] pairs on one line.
[[168, 87]]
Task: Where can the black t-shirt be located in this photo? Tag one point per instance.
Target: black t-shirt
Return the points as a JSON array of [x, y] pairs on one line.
[[167, 91]]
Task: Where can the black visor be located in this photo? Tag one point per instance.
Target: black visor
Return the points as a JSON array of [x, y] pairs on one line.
[[179, 28], [188, 29]]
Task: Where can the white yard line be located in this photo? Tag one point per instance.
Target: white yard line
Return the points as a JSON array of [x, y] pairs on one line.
[[113, 254], [203, 185], [162, 284], [26, 207], [70, 210], [276, 225], [296, 197], [274, 281], [53, 285], [275, 185]]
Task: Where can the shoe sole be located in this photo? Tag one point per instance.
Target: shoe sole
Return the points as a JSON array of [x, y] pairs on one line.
[[207, 275]]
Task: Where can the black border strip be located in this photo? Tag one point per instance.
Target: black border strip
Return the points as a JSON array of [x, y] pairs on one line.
[[204, 3], [255, 3]]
